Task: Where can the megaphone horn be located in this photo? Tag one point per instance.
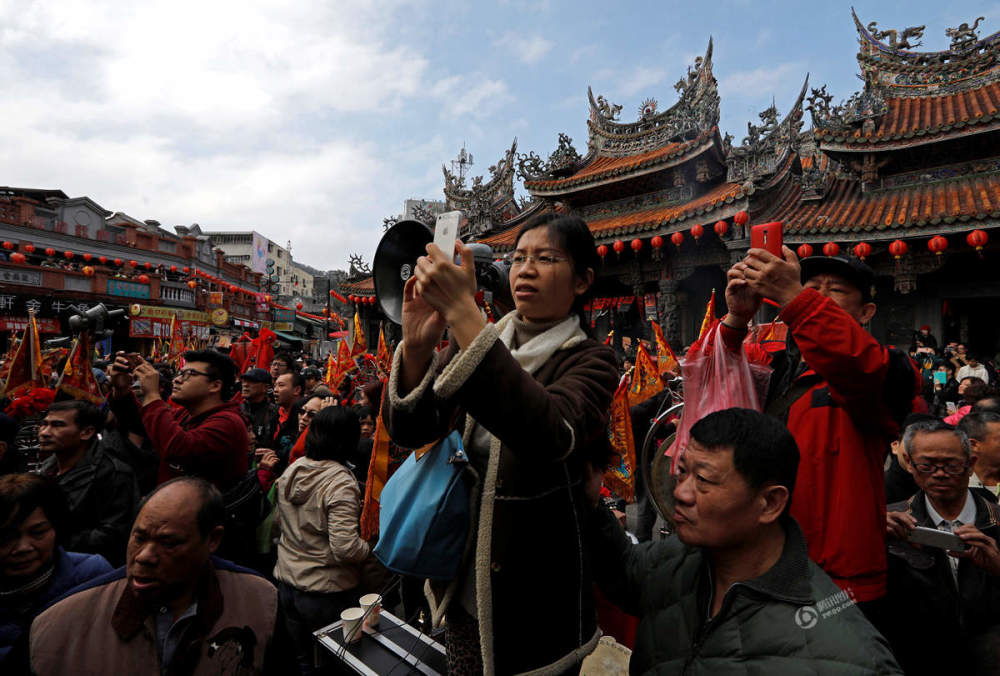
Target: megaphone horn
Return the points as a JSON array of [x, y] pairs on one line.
[[395, 259]]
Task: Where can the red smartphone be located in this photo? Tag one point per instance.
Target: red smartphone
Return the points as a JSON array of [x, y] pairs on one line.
[[768, 236]]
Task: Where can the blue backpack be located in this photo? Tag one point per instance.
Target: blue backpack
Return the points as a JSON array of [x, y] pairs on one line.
[[424, 516]]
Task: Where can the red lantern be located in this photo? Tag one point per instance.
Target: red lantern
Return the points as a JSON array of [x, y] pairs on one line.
[[372, 300], [976, 238], [721, 228], [68, 255], [185, 269], [697, 231], [9, 246], [18, 257], [831, 249], [144, 279], [937, 244], [87, 257], [103, 260], [267, 299], [326, 313], [30, 248], [677, 238], [636, 245], [173, 268], [192, 284], [863, 250], [656, 242], [87, 270], [741, 218], [602, 251], [133, 264], [298, 306], [805, 250], [118, 261], [49, 251], [233, 288], [898, 249], [147, 265], [618, 246]]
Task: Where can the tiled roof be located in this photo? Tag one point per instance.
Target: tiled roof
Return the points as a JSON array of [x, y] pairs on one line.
[[846, 209], [924, 117], [608, 167], [639, 221], [361, 286]]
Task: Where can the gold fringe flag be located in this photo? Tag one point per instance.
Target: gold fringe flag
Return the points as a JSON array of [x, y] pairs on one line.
[[620, 476], [383, 358], [360, 344], [23, 374], [77, 379], [645, 378], [666, 360]]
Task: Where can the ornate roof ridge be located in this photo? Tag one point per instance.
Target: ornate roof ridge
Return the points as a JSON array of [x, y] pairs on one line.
[[501, 178], [966, 51], [766, 148], [696, 110]]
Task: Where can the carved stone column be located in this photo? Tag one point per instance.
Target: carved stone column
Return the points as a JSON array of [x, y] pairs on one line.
[[670, 311]]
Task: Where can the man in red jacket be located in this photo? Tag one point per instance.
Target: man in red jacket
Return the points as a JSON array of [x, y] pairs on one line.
[[842, 395], [206, 436]]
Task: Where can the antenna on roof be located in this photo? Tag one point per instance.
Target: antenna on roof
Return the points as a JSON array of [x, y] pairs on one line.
[[461, 164]]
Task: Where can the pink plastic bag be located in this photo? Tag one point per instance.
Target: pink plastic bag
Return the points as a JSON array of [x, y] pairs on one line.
[[716, 379]]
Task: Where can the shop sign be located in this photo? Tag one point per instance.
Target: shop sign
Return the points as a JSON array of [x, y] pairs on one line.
[[284, 327], [161, 312], [120, 287], [220, 317], [21, 323], [24, 277]]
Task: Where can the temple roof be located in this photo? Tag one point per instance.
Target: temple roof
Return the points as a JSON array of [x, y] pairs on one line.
[[900, 206], [602, 169], [361, 287]]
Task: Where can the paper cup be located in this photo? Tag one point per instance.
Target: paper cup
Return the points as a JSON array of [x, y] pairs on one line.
[[374, 603], [352, 624]]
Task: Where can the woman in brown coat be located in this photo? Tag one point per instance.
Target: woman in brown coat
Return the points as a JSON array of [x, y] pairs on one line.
[[531, 396]]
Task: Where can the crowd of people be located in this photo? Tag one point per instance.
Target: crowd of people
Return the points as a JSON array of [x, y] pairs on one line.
[[208, 521]]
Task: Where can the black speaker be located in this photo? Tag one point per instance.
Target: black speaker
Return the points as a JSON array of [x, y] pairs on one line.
[[395, 258]]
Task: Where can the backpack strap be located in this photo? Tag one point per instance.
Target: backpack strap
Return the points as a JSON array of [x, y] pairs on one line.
[[782, 404]]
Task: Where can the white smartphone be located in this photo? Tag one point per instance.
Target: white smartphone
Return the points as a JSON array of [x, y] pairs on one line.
[[446, 231], [942, 539]]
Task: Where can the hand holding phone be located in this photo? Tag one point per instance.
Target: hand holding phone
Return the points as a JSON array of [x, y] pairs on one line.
[[768, 236], [942, 539]]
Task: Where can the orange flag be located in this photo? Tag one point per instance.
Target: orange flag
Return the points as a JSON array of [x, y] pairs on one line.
[[645, 378], [620, 476], [359, 345], [331, 371], [383, 358], [176, 340], [378, 475], [706, 323], [77, 379], [23, 374], [345, 362], [666, 360]]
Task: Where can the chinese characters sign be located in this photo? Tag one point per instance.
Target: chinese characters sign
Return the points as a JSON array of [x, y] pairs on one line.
[[120, 287]]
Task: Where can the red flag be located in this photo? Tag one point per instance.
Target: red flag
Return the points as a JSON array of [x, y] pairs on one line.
[[611, 335], [383, 358], [645, 378], [176, 341], [23, 372], [706, 323], [666, 360], [620, 476], [345, 362], [77, 379], [360, 345]]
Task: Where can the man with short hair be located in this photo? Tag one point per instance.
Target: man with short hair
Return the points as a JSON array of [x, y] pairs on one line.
[[205, 436], [257, 406], [944, 607], [101, 490], [842, 395], [314, 385], [983, 430], [974, 369], [173, 609], [281, 364], [733, 591], [288, 389]]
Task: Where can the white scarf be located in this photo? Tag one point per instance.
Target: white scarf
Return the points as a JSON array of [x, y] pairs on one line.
[[535, 352]]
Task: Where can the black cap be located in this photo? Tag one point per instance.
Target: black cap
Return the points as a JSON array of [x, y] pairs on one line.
[[312, 372], [851, 269], [257, 376]]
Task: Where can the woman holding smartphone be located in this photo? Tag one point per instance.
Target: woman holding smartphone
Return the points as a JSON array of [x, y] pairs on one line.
[[530, 395]]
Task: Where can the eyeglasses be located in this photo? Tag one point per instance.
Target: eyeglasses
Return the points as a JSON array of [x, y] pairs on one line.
[[307, 413], [185, 374], [953, 467], [543, 260]]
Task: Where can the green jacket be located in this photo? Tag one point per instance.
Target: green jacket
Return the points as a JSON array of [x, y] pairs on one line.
[[791, 620]]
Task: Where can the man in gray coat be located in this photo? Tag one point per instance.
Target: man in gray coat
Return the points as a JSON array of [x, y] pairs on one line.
[[734, 591]]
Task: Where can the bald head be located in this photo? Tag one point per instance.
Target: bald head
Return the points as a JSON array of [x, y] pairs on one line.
[[190, 496]]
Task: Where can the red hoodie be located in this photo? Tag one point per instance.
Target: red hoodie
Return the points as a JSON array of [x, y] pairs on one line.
[[212, 445], [843, 425]]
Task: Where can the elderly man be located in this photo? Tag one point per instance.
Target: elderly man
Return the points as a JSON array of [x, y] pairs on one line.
[[983, 430], [100, 490], [258, 407], [842, 395], [205, 436], [734, 590], [944, 606], [173, 609]]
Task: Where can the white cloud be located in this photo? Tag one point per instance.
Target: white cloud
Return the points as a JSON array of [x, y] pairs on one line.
[[765, 80], [640, 80], [526, 48]]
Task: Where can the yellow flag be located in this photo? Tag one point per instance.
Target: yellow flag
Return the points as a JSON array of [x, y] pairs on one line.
[[645, 378], [706, 323], [359, 345], [666, 360]]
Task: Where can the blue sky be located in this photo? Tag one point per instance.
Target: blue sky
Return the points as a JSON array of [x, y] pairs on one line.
[[310, 122]]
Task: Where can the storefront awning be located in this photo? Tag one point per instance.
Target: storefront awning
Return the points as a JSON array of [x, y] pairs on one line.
[[288, 338]]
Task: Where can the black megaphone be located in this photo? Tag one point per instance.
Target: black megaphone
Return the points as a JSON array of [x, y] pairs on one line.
[[395, 258]]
